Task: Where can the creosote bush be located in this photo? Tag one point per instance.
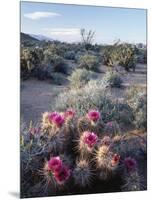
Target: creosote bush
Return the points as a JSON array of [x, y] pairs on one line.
[[79, 78], [137, 100], [112, 79], [94, 95], [59, 64], [58, 78], [70, 55], [89, 62]]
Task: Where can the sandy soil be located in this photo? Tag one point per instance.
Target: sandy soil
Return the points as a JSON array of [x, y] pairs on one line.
[[36, 96]]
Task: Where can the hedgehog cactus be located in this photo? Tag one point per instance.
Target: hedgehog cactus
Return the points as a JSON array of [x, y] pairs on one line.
[[117, 139], [132, 180], [95, 119], [92, 122], [69, 114], [106, 140], [56, 172], [82, 173], [83, 124], [99, 156], [52, 123], [87, 143], [112, 128], [46, 124], [66, 159], [70, 126], [93, 116], [54, 143], [106, 162]]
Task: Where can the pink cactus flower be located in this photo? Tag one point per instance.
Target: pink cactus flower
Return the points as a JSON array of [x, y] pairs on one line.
[[62, 175], [90, 139], [115, 159], [130, 164], [55, 164], [52, 115], [69, 113], [93, 115], [58, 120]]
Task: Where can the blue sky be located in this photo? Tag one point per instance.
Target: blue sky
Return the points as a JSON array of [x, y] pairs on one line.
[[63, 22]]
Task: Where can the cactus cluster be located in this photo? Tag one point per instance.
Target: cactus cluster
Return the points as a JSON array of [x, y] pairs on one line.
[[122, 54], [83, 151], [132, 178]]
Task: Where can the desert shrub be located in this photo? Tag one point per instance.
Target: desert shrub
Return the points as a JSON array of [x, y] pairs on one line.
[[30, 59], [59, 64], [126, 56], [141, 55], [112, 79], [94, 95], [137, 99], [109, 55], [89, 62], [141, 59], [79, 77], [55, 49], [42, 72], [70, 55], [57, 61], [123, 114], [79, 54], [88, 97], [141, 118], [122, 54], [48, 56], [58, 78]]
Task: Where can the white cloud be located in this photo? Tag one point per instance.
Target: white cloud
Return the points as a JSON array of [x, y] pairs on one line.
[[38, 15]]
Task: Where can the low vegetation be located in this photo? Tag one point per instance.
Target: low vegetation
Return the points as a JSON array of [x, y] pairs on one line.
[[88, 140]]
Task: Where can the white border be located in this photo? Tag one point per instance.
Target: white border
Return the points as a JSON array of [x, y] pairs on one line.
[[9, 98]]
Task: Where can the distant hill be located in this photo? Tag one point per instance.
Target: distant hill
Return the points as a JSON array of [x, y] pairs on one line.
[[27, 37], [41, 37], [27, 40]]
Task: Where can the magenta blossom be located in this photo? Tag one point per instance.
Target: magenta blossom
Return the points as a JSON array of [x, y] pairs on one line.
[[58, 120], [130, 164], [69, 113], [90, 139], [93, 115], [52, 115], [115, 159], [55, 164], [62, 175]]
